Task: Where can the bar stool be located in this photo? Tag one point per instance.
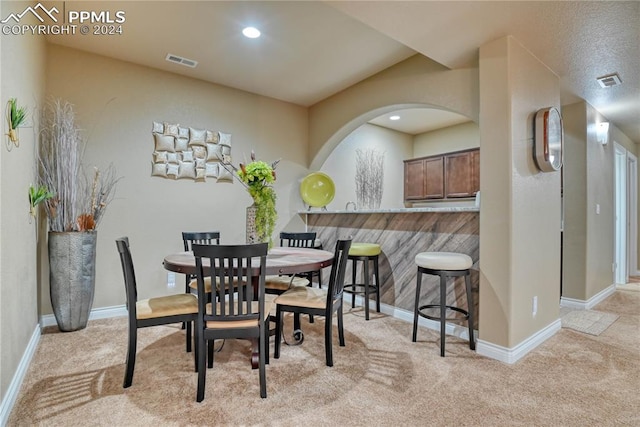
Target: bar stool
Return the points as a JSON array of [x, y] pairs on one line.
[[444, 265], [364, 252]]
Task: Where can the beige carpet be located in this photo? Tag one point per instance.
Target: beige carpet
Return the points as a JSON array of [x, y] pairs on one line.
[[380, 378], [633, 286], [588, 321]]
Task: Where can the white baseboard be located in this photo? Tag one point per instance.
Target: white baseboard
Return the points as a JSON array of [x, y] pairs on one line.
[[96, 313], [577, 304], [484, 348], [512, 355], [14, 387]]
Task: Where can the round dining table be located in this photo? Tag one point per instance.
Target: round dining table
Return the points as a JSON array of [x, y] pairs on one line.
[[280, 260]]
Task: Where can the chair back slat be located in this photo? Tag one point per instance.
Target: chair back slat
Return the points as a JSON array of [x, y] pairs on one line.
[[298, 240], [235, 270], [338, 268]]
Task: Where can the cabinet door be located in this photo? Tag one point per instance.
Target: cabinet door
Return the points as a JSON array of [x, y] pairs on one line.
[[414, 182], [458, 175], [434, 178]]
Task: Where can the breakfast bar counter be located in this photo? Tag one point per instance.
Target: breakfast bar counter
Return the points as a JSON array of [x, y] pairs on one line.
[[402, 234]]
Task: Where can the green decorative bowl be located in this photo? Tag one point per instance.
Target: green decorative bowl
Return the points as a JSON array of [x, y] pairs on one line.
[[317, 189]]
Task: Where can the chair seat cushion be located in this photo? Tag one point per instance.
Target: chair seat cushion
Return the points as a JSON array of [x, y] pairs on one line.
[[207, 285], [304, 297], [238, 324], [364, 249], [170, 305], [444, 260], [282, 283]]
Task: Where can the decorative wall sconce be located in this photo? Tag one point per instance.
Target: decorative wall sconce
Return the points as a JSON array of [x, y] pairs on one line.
[[602, 133], [15, 117]]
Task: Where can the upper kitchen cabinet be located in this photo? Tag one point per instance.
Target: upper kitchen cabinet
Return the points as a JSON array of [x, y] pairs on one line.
[[424, 178], [446, 176], [462, 174]]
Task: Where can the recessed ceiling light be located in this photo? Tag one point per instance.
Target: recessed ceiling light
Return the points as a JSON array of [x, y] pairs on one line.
[[251, 32], [394, 118]]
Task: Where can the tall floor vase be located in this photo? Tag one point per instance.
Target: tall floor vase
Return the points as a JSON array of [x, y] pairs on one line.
[[251, 232], [72, 275]]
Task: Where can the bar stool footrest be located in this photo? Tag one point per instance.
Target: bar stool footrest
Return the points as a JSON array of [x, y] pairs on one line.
[[447, 319], [352, 288]]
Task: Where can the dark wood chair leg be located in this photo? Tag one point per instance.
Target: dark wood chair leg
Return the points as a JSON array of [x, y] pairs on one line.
[[262, 360], [131, 357], [202, 371], [340, 328], [196, 344], [188, 335], [328, 340], [210, 353], [276, 351]]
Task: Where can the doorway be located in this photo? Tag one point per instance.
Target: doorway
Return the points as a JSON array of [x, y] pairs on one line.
[[625, 223], [632, 217]]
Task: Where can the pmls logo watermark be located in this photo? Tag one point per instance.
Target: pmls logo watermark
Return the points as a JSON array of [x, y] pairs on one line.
[[85, 22]]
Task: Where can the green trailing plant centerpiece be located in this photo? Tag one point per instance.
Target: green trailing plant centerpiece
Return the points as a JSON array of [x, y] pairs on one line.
[[258, 177], [74, 209]]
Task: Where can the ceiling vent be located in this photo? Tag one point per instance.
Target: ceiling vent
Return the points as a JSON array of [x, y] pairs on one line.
[[609, 80], [180, 60]]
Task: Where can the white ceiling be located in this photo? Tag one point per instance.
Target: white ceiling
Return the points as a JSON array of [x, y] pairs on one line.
[[311, 49], [419, 120]]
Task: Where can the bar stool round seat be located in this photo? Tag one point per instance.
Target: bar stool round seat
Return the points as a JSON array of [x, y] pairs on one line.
[[366, 253], [445, 265]]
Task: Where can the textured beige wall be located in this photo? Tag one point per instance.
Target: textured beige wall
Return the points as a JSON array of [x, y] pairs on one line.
[[588, 246], [520, 215], [415, 82], [116, 103], [341, 164], [21, 77], [600, 191], [574, 245], [451, 138]]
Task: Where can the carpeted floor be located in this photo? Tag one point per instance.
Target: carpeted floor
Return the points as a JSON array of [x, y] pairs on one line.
[[380, 378]]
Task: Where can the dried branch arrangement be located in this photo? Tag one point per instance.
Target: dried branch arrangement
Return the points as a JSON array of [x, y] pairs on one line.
[[369, 178], [78, 203]]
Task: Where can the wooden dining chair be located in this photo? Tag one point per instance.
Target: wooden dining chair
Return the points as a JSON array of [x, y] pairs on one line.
[[156, 311], [318, 302], [201, 238], [305, 239], [238, 308], [278, 284]]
